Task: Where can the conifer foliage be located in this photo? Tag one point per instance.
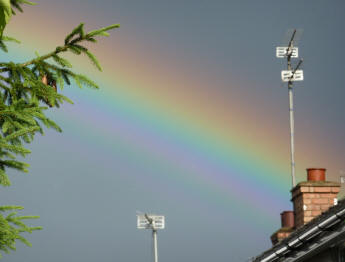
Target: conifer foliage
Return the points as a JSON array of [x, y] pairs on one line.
[[27, 91]]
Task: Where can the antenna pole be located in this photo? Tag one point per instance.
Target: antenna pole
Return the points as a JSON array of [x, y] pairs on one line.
[[155, 250], [153, 222], [292, 125], [290, 75], [154, 237], [291, 109]]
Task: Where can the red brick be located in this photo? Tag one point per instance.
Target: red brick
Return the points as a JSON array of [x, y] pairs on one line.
[[281, 235], [320, 201], [307, 201], [313, 207], [325, 207], [278, 236], [323, 189], [330, 195], [331, 201], [307, 213], [304, 189], [335, 189], [311, 195], [307, 219], [316, 213]]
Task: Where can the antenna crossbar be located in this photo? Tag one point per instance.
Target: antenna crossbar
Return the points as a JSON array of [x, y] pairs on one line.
[[298, 65], [292, 37]]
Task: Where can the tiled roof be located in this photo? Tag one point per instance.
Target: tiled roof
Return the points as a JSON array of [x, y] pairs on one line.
[[286, 245]]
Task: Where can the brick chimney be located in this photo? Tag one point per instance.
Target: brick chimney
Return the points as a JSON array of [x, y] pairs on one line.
[[311, 198], [288, 225]]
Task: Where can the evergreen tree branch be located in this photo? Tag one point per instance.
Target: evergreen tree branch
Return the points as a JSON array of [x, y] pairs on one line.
[[12, 227], [71, 44], [24, 87]]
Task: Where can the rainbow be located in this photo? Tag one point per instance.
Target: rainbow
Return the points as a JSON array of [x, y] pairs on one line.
[[215, 145]]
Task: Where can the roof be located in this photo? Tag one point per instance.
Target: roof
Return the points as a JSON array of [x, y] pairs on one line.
[[311, 238]]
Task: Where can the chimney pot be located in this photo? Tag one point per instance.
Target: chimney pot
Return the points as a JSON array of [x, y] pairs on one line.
[[288, 219], [316, 174]]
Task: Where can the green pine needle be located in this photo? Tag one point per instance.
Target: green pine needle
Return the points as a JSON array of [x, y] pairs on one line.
[[101, 30], [94, 60]]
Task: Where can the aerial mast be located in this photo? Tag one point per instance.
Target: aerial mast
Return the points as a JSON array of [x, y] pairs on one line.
[[153, 222], [290, 75]]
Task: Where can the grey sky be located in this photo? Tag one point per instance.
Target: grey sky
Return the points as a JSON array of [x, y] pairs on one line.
[[89, 215]]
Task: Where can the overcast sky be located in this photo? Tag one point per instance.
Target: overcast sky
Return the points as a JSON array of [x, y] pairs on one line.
[[191, 122]]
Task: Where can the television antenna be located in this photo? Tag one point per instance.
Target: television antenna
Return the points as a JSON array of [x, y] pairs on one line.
[[291, 75], [154, 222]]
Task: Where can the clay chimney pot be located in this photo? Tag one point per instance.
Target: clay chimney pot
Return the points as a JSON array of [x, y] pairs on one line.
[[288, 219], [316, 174]]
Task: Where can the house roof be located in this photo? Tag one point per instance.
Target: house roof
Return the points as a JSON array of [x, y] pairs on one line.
[[319, 233]]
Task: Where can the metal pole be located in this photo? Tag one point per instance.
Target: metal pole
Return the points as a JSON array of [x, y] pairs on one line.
[[155, 251], [292, 127]]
